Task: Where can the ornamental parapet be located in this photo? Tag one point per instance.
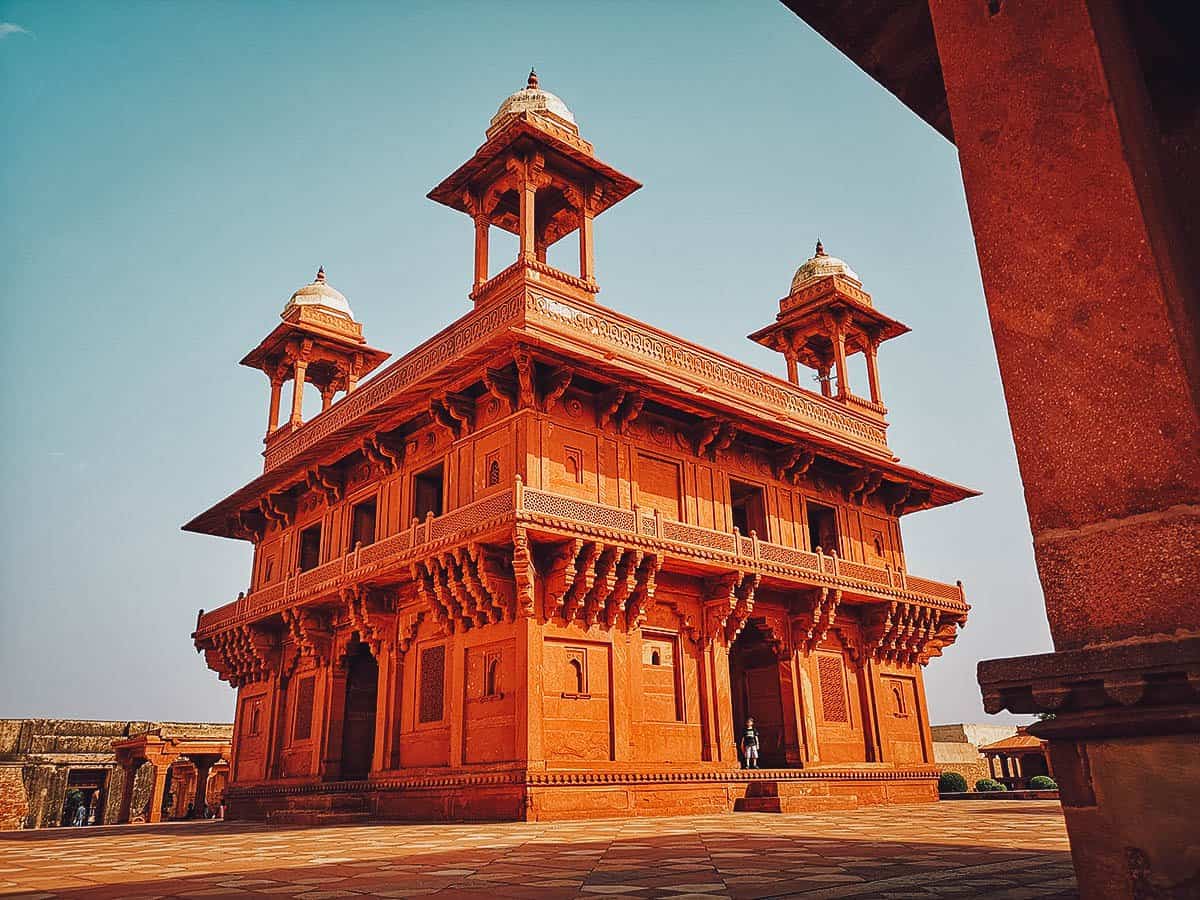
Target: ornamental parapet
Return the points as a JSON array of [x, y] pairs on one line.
[[541, 302], [637, 542]]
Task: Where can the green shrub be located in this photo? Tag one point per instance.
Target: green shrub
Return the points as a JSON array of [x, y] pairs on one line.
[[1042, 783], [951, 783], [986, 784]]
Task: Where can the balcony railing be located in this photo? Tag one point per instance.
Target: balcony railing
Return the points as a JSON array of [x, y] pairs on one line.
[[544, 510]]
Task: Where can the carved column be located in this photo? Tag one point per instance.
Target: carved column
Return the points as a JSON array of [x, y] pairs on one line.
[[203, 764], [823, 373], [793, 372], [327, 392], [273, 412], [161, 770], [299, 373], [837, 336], [481, 248], [528, 191], [587, 257], [872, 354]]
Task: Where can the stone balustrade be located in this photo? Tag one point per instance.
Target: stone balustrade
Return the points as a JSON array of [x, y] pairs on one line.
[[544, 511]]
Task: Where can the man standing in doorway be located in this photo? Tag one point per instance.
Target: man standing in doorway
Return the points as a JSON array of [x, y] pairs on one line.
[[749, 746]]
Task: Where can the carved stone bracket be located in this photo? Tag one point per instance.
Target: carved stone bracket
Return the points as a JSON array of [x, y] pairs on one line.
[[823, 615], [326, 481], [597, 581], [712, 436], [383, 452], [524, 574], [861, 484], [372, 613], [503, 387], [454, 412], [791, 463], [906, 633], [620, 405], [467, 587], [728, 602], [277, 508], [554, 385], [311, 631], [243, 654]]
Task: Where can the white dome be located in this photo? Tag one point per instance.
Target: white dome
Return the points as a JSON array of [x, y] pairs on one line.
[[319, 294], [822, 265], [532, 99]]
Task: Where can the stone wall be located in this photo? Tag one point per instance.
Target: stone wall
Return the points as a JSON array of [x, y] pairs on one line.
[[37, 757], [956, 747]]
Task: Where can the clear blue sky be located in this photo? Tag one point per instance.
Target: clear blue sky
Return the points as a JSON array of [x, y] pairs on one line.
[[173, 171]]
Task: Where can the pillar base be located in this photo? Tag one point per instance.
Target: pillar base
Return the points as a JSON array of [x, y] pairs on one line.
[[1125, 748]]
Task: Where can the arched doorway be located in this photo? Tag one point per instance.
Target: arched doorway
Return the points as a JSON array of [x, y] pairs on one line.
[[358, 723], [756, 692]]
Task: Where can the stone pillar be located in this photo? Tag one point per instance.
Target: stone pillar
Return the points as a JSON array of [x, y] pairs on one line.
[[872, 354], [708, 700], [129, 773], [789, 698], [273, 411], [587, 252], [1076, 201], [327, 393], [826, 388], [837, 335], [527, 209], [481, 248], [161, 770], [529, 692], [793, 371], [299, 371], [203, 764]]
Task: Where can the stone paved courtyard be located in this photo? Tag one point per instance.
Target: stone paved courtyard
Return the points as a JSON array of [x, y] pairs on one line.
[[996, 849]]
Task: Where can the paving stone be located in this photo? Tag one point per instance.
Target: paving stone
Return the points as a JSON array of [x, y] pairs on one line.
[[930, 851]]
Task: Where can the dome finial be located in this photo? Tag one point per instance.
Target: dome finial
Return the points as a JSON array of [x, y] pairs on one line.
[[820, 248], [533, 79], [320, 279]]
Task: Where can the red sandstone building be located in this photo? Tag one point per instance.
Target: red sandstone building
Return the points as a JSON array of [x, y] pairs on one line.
[[546, 564]]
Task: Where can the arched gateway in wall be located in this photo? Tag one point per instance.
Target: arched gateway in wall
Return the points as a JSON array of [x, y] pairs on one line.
[[546, 564]]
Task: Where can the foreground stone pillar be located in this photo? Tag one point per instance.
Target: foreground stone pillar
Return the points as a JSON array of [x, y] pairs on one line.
[[1075, 198]]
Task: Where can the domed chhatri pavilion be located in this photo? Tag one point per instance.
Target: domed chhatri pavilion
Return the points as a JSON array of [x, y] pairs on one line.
[[547, 564]]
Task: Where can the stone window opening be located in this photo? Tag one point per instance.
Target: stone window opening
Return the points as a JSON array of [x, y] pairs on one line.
[[573, 464], [493, 473], [655, 657], [491, 676], [822, 527], [898, 699], [254, 726], [362, 523], [748, 507], [428, 488], [576, 675], [577, 669], [310, 547]]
